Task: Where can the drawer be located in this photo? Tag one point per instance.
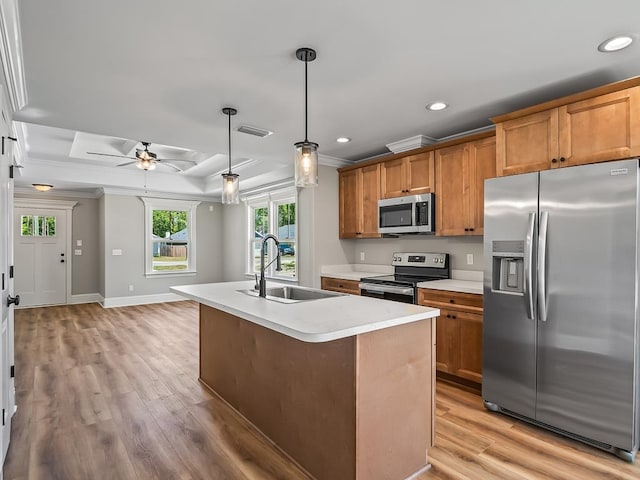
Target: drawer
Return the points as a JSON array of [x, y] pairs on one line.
[[450, 300], [340, 285]]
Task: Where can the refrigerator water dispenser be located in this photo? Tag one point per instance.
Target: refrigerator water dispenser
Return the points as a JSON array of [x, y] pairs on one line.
[[508, 267]]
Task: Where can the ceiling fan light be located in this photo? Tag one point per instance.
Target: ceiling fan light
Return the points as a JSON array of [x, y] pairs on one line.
[[306, 164], [42, 187], [146, 164]]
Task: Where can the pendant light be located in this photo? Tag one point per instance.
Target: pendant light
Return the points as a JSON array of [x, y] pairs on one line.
[[306, 156], [230, 181]]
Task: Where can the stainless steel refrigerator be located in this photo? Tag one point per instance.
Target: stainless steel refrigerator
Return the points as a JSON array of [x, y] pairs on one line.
[[561, 333]]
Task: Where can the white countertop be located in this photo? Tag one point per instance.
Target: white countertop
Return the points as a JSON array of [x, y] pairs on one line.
[[355, 271], [311, 321], [465, 281]]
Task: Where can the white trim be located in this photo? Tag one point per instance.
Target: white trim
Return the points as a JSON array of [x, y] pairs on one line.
[[67, 207], [410, 143], [142, 193], [151, 204], [111, 302], [266, 189], [44, 203], [86, 298], [95, 193]]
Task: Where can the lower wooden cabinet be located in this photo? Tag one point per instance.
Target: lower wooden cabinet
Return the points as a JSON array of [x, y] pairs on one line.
[[458, 334], [340, 285]]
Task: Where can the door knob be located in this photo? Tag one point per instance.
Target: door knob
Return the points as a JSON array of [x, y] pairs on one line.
[[15, 300]]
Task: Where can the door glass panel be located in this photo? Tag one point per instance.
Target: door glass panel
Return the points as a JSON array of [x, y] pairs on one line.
[[38, 226]]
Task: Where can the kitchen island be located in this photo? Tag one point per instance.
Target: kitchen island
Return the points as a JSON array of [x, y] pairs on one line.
[[343, 385]]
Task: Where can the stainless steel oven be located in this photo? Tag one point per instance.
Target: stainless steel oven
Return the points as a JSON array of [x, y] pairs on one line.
[[388, 292]]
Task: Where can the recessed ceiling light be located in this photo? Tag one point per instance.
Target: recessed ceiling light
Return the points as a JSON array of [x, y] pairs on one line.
[[343, 139], [437, 106], [615, 43]]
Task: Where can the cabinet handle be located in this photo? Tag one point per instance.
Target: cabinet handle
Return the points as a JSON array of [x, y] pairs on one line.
[[562, 159], [451, 300], [453, 316], [448, 316], [466, 229], [553, 160], [471, 229]]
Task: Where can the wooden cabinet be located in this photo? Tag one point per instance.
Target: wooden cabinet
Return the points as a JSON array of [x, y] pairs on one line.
[[596, 129], [460, 174], [359, 195], [340, 285], [410, 175], [458, 333]]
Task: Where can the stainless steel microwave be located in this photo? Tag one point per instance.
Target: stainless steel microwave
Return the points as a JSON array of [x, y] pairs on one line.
[[410, 214]]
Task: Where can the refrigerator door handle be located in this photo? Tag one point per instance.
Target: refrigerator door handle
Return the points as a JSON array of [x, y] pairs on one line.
[[542, 266], [528, 267]]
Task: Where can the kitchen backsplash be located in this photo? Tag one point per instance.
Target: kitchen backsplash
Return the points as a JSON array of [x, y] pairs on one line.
[[379, 251]]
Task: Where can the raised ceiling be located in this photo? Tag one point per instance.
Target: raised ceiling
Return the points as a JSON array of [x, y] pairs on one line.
[[161, 71]]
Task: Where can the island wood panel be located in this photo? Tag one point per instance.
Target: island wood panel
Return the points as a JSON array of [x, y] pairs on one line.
[[355, 408]]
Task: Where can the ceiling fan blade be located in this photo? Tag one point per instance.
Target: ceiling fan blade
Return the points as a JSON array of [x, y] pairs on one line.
[[171, 165], [176, 160], [109, 155], [127, 163]]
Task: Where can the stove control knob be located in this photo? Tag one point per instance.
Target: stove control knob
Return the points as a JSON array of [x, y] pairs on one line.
[[435, 260]]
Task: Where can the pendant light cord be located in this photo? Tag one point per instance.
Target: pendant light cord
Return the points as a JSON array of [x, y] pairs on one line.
[[305, 99], [229, 115]]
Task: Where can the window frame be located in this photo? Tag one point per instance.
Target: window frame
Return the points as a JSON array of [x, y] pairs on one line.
[[271, 200], [151, 204]]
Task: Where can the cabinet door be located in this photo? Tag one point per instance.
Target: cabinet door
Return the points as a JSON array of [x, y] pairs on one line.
[[527, 144], [482, 161], [370, 194], [349, 201], [420, 173], [469, 361], [340, 285], [452, 191], [392, 176], [600, 129], [447, 343]]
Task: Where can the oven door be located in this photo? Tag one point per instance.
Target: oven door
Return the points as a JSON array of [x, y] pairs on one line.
[[388, 292]]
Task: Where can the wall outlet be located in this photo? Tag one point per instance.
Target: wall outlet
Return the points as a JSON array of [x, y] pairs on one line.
[[77, 251], [116, 251], [131, 288], [362, 256], [469, 258], [211, 208]]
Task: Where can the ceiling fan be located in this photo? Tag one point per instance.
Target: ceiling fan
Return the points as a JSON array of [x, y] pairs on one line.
[[146, 160]]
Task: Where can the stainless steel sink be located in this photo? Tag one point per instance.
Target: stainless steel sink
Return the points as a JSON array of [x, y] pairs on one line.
[[293, 294]]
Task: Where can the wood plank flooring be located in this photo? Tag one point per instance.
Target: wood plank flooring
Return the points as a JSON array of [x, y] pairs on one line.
[[113, 394]]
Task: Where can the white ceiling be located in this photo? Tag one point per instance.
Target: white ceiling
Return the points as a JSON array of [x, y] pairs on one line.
[[161, 71]]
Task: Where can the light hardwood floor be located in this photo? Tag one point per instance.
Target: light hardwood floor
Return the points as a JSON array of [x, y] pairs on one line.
[[113, 394]]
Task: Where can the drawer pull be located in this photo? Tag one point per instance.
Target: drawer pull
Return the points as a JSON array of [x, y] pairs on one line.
[[451, 300]]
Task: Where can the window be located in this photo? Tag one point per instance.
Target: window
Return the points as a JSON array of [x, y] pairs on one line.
[[275, 214], [38, 226], [170, 236]]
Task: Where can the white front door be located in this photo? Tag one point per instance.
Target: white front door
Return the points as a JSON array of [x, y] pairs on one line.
[[40, 247]]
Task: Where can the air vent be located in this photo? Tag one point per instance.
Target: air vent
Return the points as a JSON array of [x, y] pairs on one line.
[[258, 132]]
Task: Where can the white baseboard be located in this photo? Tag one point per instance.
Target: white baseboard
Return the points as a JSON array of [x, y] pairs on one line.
[[86, 298], [141, 300]]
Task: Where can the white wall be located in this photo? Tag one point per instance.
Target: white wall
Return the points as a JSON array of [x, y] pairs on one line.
[[235, 228], [124, 230]]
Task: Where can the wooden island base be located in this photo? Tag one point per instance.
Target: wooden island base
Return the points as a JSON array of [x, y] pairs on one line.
[[361, 407]]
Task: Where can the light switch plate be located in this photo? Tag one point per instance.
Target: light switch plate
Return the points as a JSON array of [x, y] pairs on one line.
[[362, 256], [116, 251], [78, 243], [469, 258]]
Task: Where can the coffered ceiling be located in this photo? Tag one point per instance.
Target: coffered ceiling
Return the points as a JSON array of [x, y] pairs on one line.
[[161, 71]]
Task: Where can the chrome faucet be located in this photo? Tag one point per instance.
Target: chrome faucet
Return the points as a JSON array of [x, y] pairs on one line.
[[262, 285]]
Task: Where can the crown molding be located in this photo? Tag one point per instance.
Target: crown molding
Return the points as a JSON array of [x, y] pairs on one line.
[[333, 161], [410, 143], [44, 203], [11, 54]]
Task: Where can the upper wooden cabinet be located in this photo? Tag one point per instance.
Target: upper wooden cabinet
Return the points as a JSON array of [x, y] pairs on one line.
[[601, 128], [411, 175], [359, 195], [460, 174]]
